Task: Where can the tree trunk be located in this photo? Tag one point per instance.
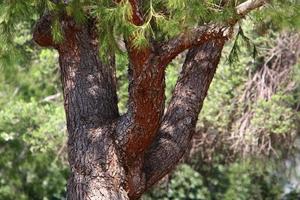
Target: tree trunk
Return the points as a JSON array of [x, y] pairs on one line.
[[91, 105], [90, 101], [113, 157]]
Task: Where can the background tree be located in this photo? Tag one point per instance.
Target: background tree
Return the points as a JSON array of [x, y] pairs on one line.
[[116, 157]]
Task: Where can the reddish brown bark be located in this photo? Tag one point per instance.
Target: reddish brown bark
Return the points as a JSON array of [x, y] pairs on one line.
[[137, 128], [120, 157], [179, 122], [106, 151]]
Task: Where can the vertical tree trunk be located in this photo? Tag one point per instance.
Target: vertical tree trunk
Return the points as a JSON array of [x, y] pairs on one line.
[[90, 101], [91, 107]]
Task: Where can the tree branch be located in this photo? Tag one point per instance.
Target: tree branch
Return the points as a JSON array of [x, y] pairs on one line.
[[60, 1], [249, 5], [196, 36], [137, 17], [179, 122], [138, 126]]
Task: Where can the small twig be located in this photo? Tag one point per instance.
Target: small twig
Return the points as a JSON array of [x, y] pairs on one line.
[[51, 97]]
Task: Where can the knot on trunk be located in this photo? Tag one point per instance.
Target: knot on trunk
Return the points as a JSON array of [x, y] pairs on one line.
[[42, 31]]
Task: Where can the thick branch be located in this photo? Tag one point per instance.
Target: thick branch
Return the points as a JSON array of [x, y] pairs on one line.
[[138, 126], [180, 119]]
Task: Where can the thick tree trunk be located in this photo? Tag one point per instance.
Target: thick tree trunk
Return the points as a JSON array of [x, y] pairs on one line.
[[89, 88], [113, 157], [91, 106]]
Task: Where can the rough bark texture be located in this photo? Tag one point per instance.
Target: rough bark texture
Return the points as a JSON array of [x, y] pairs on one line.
[[107, 152], [116, 157], [179, 121], [138, 127], [91, 105], [89, 88]]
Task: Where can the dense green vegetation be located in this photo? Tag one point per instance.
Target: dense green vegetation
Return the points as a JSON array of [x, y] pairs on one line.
[[33, 162]]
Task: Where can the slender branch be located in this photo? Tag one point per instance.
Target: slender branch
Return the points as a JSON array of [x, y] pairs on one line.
[[60, 1], [51, 97], [195, 37], [246, 7]]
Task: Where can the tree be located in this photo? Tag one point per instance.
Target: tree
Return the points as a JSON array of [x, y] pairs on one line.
[[120, 157]]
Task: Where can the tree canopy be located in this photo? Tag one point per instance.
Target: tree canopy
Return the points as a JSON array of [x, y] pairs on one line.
[[161, 20]]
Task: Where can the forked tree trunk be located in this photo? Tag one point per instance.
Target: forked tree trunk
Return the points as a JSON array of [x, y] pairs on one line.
[[116, 158], [113, 157]]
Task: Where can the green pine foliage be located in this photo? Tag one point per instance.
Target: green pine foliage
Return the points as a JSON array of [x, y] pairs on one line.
[[163, 19]]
